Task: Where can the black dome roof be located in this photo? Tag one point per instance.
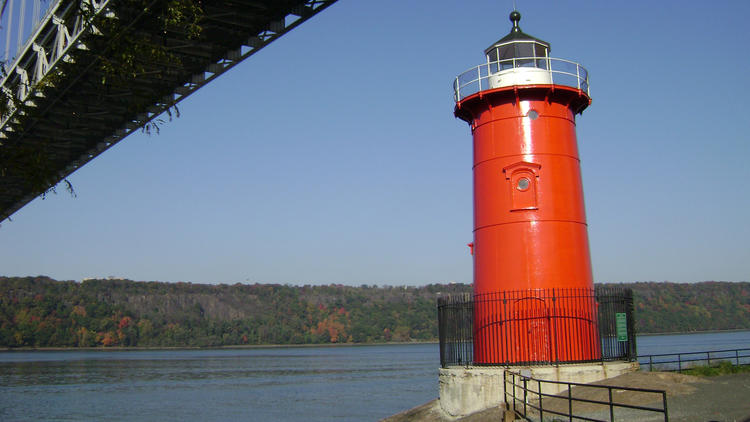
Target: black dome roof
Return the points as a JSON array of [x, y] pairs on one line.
[[516, 34]]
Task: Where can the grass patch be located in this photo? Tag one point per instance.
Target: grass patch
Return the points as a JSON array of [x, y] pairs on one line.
[[723, 368]]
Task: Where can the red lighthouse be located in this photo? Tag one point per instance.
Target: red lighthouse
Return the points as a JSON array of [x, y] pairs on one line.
[[532, 270]]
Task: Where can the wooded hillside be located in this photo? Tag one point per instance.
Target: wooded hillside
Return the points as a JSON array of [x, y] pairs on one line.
[[41, 312]]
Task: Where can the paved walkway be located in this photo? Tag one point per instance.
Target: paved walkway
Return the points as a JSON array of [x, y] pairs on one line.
[[689, 398]]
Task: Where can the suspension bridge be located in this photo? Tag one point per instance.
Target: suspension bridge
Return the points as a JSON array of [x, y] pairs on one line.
[[78, 76]]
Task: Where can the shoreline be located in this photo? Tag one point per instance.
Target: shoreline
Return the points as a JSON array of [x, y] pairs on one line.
[[291, 346], [238, 346], [671, 333]]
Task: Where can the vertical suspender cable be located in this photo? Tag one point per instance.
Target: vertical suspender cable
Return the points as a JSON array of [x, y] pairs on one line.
[[8, 23], [21, 20], [35, 18]]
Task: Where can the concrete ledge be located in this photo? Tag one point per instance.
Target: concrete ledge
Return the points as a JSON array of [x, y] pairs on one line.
[[467, 390]]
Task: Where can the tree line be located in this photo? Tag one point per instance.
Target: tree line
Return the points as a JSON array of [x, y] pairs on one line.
[[42, 312]]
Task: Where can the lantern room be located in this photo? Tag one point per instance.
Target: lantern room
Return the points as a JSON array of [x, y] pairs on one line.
[[518, 58]]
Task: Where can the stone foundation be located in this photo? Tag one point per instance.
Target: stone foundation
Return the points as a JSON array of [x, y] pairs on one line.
[[466, 390]]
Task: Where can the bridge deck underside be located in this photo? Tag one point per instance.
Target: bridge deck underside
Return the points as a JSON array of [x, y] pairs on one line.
[[98, 95]]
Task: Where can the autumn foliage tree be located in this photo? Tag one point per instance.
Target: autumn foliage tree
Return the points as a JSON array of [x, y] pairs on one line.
[[41, 312]]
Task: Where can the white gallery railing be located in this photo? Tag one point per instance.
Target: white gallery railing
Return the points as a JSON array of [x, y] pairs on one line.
[[559, 72]]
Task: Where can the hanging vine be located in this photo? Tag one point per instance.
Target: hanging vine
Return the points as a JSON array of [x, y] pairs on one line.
[[119, 59]]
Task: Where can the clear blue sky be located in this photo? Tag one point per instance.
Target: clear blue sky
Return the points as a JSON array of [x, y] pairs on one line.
[[332, 156]]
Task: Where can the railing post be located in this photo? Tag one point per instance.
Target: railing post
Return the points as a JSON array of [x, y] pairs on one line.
[[708, 358], [525, 395], [666, 411], [505, 388], [679, 363], [515, 399], [549, 69], [541, 406], [650, 363], [611, 406], [737, 356], [570, 402]]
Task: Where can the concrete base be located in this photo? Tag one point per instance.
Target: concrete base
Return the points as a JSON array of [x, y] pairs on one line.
[[467, 390]]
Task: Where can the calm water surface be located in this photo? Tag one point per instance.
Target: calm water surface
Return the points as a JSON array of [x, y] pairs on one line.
[[345, 383], [275, 384], [696, 342]]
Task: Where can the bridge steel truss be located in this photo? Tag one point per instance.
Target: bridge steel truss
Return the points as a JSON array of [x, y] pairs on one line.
[[62, 107]]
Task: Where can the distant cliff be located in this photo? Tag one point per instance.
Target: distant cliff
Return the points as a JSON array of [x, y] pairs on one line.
[[41, 312]]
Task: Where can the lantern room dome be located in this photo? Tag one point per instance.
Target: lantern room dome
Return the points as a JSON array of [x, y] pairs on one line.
[[517, 44]]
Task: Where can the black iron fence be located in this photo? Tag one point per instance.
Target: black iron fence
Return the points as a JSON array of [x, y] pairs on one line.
[[537, 327], [682, 361], [533, 399], [455, 329], [616, 323]]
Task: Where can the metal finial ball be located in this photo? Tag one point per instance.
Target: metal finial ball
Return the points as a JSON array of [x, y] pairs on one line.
[[515, 16]]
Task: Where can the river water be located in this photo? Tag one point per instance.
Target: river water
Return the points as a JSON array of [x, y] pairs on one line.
[[345, 383]]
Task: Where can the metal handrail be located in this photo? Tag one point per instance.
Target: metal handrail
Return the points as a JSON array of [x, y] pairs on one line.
[[738, 355], [529, 394], [561, 72]]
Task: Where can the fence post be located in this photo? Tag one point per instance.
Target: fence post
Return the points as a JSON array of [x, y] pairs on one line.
[[679, 363], [554, 327], [550, 343], [611, 406], [632, 342], [708, 358], [737, 356], [441, 333], [650, 363], [666, 411]]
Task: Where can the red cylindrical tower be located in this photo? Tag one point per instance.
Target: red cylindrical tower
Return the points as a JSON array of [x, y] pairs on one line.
[[533, 285]]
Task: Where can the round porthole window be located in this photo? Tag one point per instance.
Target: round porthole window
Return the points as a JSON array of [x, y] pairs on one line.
[[523, 184], [533, 114]]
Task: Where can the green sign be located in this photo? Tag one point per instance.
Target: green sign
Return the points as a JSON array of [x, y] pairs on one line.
[[621, 325]]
